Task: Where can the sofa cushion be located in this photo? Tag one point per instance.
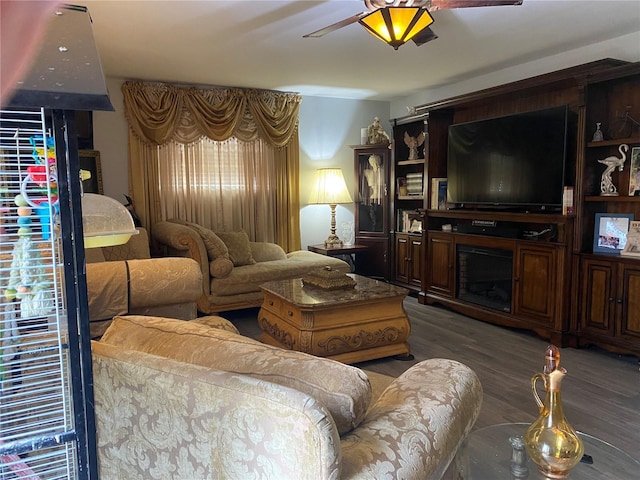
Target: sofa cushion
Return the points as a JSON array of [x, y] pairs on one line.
[[215, 246], [344, 390], [238, 245], [214, 321], [220, 267]]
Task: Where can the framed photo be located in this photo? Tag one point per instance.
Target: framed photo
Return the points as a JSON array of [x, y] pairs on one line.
[[610, 232], [90, 171], [634, 173]]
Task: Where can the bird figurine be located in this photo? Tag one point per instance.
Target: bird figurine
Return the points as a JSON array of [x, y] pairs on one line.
[[413, 143], [607, 188]]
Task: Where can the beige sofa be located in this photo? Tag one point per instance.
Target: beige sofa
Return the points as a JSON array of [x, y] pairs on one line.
[[233, 268], [179, 400], [124, 279]]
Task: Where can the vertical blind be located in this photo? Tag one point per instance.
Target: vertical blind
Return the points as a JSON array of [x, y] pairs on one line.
[[37, 435]]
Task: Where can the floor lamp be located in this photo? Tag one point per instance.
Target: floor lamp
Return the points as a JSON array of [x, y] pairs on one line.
[[329, 188]]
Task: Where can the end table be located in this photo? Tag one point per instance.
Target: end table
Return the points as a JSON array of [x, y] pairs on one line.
[[346, 252]]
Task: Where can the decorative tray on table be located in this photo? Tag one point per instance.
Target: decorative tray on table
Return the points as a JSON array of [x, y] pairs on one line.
[[328, 279]]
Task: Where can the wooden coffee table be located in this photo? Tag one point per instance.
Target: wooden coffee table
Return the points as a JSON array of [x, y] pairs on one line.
[[349, 325]]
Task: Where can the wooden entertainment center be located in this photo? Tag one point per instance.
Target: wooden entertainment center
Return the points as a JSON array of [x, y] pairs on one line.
[[547, 278]]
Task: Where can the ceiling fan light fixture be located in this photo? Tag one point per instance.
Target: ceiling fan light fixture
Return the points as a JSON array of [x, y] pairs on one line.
[[396, 25]]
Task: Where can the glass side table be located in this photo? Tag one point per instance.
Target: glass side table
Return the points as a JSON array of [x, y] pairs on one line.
[[487, 454]]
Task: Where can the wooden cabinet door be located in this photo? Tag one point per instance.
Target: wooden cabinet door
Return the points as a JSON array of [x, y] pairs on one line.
[[402, 257], [440, 261], [598, 297], [416, 261], [535, 283], [374, 262], [628, 301]]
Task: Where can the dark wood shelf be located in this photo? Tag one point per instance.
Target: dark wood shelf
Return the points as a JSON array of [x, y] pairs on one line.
[[501, 216], [617, 141], [615, 199], [410, 197], [609, 258]]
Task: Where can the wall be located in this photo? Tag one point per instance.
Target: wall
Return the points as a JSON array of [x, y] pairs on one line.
[[327, 127], [110, 139], [625, 47]]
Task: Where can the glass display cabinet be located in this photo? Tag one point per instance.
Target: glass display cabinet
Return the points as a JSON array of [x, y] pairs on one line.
[[372, 167]]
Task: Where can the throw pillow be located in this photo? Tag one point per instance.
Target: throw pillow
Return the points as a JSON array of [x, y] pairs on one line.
[[214, 245], [344, 390], [238, 245], [220, 267]]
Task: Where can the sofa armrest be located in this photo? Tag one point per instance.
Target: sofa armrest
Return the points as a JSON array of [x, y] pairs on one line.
[[160, 417], [115, 287], [163, 281], [181, 241], [416, 426], [265, 252]]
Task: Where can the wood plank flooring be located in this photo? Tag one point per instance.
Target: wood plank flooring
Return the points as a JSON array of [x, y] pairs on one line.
[[601, 393]]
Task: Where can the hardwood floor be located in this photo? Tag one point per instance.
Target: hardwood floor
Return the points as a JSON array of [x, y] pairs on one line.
[[601, 393]]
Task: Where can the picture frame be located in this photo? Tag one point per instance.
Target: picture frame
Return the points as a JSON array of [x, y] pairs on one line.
[[610, 232], [438, 193], [634, 173], [90, 162]]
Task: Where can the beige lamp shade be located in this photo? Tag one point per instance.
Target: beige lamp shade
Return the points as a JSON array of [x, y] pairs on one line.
[[329, 187]]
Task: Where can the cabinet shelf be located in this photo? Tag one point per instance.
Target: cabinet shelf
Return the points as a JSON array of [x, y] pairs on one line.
[[501, 216], [410, 197], [618, 199], [419, 161], [617, 141]]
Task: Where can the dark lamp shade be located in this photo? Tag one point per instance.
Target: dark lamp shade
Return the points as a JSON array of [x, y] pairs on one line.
[[396, 25]]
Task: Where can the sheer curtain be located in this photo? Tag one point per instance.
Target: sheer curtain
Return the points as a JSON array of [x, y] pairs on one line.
[[225, 186], [226, 158]]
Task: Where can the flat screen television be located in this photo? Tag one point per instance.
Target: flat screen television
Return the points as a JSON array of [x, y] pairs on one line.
[[515, 161]]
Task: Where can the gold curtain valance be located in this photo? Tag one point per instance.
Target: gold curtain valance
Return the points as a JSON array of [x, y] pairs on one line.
[[159, 113]]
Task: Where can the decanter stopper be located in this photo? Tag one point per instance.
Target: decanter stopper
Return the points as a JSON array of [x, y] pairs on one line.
[[518, 464]]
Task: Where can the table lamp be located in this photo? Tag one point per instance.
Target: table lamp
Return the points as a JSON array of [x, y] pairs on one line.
[[330, 188]]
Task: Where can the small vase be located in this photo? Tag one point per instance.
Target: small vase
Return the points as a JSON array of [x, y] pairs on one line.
[[552, 444], [597, 135]]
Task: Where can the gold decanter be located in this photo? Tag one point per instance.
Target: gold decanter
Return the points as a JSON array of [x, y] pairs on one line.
[[552, 444]]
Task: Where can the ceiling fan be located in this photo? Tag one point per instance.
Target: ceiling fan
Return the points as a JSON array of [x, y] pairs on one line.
[[424, 35]]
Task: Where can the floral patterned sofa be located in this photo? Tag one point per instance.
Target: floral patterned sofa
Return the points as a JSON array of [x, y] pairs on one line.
[[176, 399], [233, 268]]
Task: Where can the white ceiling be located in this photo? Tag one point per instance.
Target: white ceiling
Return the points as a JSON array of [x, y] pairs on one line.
[[259, 44]]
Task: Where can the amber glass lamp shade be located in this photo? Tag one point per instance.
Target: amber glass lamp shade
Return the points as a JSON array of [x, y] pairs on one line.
[[396, 25]]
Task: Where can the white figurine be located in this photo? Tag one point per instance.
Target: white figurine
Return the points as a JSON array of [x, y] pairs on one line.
[[607, 188], [376, 134], [632, 247], [413, 143]]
